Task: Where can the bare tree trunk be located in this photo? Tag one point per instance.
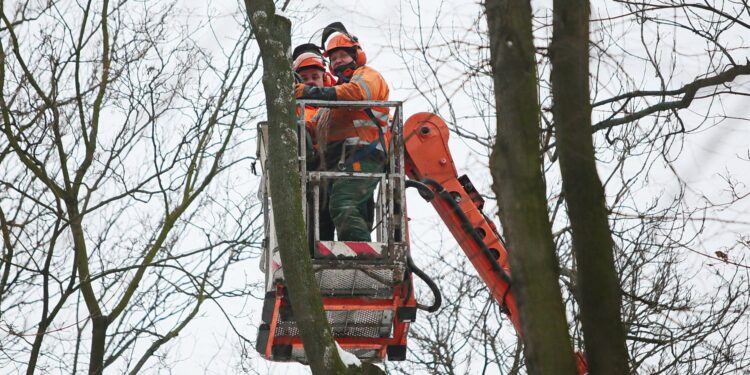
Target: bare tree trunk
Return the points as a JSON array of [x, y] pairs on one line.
[[99, 326], [597, 282], [274, 39], [518, 183]]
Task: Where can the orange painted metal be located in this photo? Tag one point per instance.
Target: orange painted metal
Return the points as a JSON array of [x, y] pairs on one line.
[[366, 343], [399, 328], [428, 157], [274, 319], [357, 303]]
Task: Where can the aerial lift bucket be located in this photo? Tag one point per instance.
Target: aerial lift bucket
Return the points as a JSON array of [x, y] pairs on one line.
[[366, 287]]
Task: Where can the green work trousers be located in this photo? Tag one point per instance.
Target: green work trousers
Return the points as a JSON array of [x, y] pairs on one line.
[[348, 201]]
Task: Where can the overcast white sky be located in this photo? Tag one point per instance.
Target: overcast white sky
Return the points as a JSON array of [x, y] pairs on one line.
[[208, 345]]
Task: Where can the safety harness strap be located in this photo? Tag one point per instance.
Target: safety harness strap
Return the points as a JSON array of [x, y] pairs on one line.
[[370, 148]]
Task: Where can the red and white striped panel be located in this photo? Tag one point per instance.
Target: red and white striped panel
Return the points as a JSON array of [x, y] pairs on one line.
[[275, 261], [350, 249]]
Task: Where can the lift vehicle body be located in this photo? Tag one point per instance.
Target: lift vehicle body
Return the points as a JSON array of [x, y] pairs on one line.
[[418, 150]]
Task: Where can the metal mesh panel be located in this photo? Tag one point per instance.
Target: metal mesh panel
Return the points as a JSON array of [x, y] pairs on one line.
[[355, 282], [360, 323], [287, 328], [348, 323]]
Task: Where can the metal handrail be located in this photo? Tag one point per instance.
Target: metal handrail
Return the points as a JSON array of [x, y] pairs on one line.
[[349, 103]]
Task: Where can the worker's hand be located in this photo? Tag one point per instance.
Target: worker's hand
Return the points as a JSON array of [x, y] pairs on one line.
[[299, 90], [313, 92]]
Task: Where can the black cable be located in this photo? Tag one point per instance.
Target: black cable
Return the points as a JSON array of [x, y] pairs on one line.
[[433, 287], [427, 194], [468, 228], [424, 190]]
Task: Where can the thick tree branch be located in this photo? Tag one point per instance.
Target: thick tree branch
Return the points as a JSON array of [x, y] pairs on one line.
[[688, 91]]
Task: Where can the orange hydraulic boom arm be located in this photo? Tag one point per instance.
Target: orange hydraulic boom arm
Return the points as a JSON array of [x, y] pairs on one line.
[[428, 160]]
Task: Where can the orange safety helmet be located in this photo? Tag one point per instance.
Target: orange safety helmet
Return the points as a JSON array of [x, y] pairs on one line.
[[342, 40], [307, 56], [308, 60]]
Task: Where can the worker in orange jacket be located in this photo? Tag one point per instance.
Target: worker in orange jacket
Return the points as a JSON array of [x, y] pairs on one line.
[[351, 139], [310, 67]]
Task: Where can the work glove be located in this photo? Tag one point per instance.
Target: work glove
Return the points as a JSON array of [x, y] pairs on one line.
[[298, 89], [313, 92]]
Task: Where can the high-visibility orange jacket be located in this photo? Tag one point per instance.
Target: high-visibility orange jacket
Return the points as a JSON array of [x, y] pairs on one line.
[[353, 125], [310, 122], [310, 112]]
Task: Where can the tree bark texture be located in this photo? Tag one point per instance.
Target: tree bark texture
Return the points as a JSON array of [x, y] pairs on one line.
[[519, 185], [99, 325], [597, 282], [273, 34]]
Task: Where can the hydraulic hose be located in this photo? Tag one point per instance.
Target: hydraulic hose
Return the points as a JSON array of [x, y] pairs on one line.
[[424, 190], [426, 193], [431, 284], [467, 227]]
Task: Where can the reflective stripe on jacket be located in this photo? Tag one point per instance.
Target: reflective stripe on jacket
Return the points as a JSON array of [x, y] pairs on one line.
[[353, 125]]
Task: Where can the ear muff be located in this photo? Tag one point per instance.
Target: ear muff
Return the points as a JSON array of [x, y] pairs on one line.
[[361, 57]]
